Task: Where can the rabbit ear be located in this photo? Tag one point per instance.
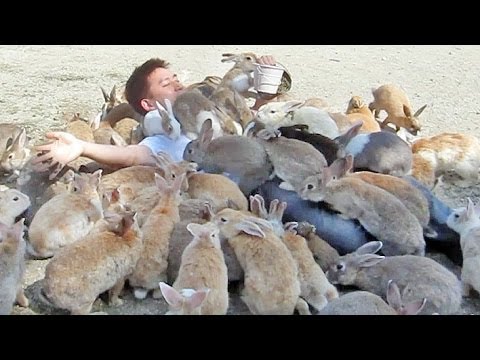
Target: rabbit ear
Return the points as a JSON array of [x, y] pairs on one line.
[[394, 298], [113, 94], [172, 296], [161, 183], [20, 141], [228, 57], [344, 139], [407, 111], [291, 227], [369, 248], [208, 213], [196, 299], [414, 307], [291, 105], [250, 228], [206, 134], [196, 229], [419, 111], [368, 260], [470, 212]]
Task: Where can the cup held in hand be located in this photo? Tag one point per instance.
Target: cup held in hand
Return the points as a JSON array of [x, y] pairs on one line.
[[267, 78]]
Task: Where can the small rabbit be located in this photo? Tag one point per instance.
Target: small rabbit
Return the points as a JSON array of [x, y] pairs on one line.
[[409, 195], [446, 154], [80, 128], [380, 152], [111, 101], [157, 230], [79, 273], [344, 235], [244, 159], [240, 77], [379, 212], [12, 267], [271, 283], [366, 303], [66, 218], [358, 110], [323, 253], [315, 288], [418, 277], [202, 267], [396, 104], [279, 114], [162, 122], [13, 203], [190, 211], [293, 160], [466, 222], [16, 155], [8, 133]]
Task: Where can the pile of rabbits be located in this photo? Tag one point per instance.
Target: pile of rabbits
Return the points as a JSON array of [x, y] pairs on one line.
[[290, 203]]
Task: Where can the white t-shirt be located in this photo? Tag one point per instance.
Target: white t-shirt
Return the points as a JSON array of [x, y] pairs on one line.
[[174, 148]]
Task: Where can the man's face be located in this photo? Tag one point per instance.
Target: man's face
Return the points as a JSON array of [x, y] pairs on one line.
[[163, 85]]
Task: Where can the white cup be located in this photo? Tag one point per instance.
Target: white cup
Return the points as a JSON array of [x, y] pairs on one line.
[[267, 78]]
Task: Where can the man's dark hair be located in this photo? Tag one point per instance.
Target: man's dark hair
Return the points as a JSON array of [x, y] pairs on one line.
[[137, 85]]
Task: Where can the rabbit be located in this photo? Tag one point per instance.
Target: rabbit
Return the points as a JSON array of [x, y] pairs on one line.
[[366, 303], [127, 128], [323, 253], [244, 159], [466, 222], [379, 212], [396, 104], [240, 77], [279, 114], [343, 121], [111, 101], [409, 195], [162, 121], [8, 133], [271, 285], [12, 267], [13, 203], [358, 110], [344, 235], [202, 267], [157, 231], [293, 160], [16, 155], [380, 152], [315, 288], [190, 211], [207, 86], [447, 154], [80, 128], [66, 218], [79, 273], [418, 277], [118, 113]]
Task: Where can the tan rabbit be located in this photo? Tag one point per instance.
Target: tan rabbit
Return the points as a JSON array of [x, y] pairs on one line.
[[79, 273], [409, 195], [417, 277], [271, 283], [12, 267], [447, 154], [396, 104], [111, 100], [315, 288], [366, 303], [379, 212], [325, 255], [13, 203], [293, 160], [244, 159], [157, 230], [466, 222], [240, 77], [16, 155], [202, 267], [190, 211], [8, 133], [67, 217], [358, 110], [80, 128]]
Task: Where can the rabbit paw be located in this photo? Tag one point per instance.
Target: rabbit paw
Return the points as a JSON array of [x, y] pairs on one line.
[[140, 293]]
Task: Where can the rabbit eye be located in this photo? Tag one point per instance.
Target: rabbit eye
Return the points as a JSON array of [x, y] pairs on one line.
[[457, 216], [310, 187], [173, 176], [341, 267], [10, 156], [272, 111], [223, 220], [15, 198], [190, 151]]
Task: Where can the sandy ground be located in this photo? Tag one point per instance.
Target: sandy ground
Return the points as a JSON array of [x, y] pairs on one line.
[[41, 85]]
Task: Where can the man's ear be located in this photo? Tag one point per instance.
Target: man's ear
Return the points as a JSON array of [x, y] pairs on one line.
[[147, 105]]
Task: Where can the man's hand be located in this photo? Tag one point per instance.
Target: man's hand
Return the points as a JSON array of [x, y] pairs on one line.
[[61, 151], [267, 60]]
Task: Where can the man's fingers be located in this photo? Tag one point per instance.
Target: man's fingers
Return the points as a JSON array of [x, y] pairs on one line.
[[55, 171], [53, 135], [46, 147], [42, 158]]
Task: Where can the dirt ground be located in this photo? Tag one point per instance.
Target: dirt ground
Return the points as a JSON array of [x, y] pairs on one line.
[[42, 85]]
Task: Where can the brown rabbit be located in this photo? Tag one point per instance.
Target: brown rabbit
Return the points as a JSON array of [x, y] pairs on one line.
[[13, 203], [67, 217], [271, 275], [379, 212], [80, 128], [325, 255], [396, 104], [157, 230], [79, 273], [202, 267], [8, 133], [12, 267], [358, 110]]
